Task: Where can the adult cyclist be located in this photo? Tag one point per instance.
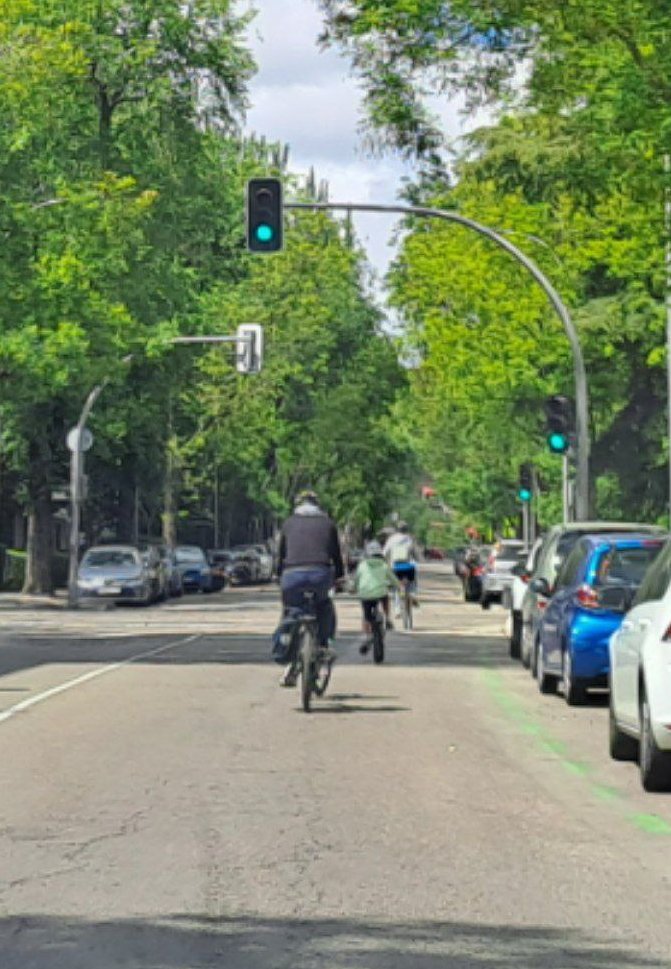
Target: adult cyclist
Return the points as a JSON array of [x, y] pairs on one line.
[[402, 554], [310, 560]]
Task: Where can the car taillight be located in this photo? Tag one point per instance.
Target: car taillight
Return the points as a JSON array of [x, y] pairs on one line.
[[588, 597]]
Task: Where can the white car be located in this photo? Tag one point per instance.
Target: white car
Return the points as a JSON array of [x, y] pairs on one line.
[[640, 678], [514, 596], [498, 577]]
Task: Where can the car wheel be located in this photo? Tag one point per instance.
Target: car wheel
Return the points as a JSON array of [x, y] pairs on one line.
[[574, 691], [655, 764], [516, 635], [546, 683], [533, 659], [621, 745]]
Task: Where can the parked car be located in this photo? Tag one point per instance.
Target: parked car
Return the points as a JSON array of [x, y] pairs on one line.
[[244, 567], [474, 569], [586, 609], [514, 595], [118, 573], [640, 679], [194, 568], [557, 545], [173, 576], [265, 564], [152, 559], [458, 554], [219, 560], [497, 576]]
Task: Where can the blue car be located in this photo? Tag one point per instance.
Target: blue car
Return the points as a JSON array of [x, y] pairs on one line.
[[194, 568], [594, 589]]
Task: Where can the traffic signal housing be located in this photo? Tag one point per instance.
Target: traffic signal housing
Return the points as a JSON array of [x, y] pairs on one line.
[[526, 487], [264, 215], [558, 412]]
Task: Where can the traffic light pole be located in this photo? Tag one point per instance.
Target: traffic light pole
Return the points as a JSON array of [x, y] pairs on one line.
[[566, 488], [579, 372]]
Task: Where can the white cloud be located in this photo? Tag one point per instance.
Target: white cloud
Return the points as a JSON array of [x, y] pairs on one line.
[[307, 98]]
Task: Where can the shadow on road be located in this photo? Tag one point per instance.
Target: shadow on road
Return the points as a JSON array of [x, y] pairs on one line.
[[25, 652], [197, 942]]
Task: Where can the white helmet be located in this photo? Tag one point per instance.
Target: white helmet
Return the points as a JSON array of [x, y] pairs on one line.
[[373, 549]]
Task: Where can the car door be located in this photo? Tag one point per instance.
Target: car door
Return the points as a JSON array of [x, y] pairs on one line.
[[628, 641], [560, 605]]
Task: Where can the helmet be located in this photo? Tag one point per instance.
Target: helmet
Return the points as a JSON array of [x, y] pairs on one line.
[[307, 495], [372, 549], [402, 526]]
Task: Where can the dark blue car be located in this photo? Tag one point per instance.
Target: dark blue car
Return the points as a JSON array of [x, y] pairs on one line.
[[594, 588]]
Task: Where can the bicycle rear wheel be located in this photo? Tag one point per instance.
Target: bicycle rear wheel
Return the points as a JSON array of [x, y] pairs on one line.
[[407, 609], [307, 654], [378, 641]]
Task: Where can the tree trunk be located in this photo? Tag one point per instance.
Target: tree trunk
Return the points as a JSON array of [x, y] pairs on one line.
[[38, 577], [170, 497]]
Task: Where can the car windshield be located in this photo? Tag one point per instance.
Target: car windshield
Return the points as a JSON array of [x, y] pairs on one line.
[[189, 556], [625, 566], [101, 558]]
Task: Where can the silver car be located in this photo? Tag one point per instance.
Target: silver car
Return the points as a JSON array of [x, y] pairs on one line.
[[558, 543], [120, 573], [498, 576]]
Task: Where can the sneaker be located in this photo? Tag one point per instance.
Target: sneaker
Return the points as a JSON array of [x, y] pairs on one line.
[[389, 625], [290, 676], [328, 654], [415, 602], [364, 647]]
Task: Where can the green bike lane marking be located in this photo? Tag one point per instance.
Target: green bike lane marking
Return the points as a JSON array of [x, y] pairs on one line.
[[545, 742]]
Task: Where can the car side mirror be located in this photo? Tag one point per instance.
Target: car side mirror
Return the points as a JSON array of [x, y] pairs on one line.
[[616, 598], [541, 587]]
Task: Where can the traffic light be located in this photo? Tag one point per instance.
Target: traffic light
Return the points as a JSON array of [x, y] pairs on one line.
[[264, 215], [249, 348], [558, 412], [526, 488]]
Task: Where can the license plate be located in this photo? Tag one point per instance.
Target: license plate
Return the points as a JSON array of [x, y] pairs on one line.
[[110, 590]]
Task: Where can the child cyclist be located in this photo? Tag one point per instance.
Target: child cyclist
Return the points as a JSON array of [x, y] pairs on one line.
[[372, 581]]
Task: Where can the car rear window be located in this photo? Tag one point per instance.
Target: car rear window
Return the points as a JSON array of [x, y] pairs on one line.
[[626, 566], [111, 557], [189, 555]]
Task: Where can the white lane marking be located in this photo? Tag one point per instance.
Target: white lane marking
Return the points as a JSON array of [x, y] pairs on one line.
[[86, 677]]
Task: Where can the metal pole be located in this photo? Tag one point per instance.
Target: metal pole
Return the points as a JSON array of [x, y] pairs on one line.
[[667, 217], [579, 372], [525, 523], [216, 507], [566, 499]]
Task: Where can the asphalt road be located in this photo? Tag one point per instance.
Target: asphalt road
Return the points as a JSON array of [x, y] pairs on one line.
[[164, 805]]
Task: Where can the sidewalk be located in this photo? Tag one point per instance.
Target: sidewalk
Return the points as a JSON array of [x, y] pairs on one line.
[[17, 600]]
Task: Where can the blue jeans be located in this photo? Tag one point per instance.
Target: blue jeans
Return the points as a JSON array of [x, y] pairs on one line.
[[317, 579]]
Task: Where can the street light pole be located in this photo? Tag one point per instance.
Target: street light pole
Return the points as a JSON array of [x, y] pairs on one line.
[[579, 372], [667, 219]]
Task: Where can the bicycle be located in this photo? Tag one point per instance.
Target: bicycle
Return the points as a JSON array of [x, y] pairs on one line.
[[313, 669]]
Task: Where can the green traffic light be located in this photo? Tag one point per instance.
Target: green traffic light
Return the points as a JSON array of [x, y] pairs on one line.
[[524, 494], [558, 442], [264, 233]]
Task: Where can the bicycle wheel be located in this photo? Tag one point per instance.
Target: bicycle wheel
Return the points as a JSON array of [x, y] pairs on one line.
[[378, 641], [307, 666], [407, 610]]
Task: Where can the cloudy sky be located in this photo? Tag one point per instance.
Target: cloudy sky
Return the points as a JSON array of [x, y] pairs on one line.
[[307, 98]]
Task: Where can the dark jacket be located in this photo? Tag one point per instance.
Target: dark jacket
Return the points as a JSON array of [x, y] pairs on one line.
[[309, 537]]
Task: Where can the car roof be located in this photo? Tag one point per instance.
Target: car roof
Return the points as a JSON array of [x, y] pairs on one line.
[[623, 538], [605, 526], [113, 548]]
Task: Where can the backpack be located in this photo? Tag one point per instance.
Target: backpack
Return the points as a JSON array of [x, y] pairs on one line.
[[284, 641]]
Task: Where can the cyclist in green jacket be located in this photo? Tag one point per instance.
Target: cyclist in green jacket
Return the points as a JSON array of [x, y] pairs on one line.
[[372, 581]]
